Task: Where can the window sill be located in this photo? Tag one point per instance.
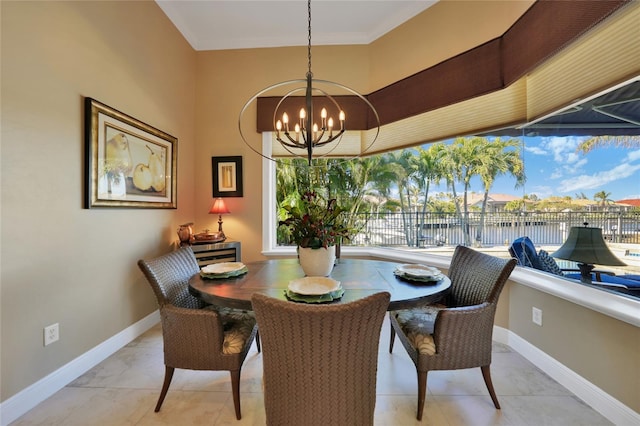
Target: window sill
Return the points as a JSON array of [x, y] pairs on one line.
[[620, 307]]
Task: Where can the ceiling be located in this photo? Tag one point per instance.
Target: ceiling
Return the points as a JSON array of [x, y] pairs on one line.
[[241, 24]]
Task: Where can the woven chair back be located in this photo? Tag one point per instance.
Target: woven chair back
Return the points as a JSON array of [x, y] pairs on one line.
[[320, 361], [169, 276], [476, 277]]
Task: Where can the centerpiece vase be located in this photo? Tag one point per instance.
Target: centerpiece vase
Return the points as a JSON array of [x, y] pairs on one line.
[[317, 262]]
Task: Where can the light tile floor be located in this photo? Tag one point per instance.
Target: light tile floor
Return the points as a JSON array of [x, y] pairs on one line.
[[123, 390]]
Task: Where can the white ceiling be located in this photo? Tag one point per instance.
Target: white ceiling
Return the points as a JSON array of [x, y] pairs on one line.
[[239, 24]]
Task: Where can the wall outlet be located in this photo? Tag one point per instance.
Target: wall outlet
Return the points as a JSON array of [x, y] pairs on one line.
[[51, 334], [536, 316]]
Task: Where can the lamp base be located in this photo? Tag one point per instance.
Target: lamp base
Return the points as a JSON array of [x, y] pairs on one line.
[[585, 272]]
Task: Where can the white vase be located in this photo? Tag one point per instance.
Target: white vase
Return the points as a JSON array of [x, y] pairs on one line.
[[317, 262]]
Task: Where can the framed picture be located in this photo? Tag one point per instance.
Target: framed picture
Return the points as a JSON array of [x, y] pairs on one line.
[[127, 163], [227, 176]]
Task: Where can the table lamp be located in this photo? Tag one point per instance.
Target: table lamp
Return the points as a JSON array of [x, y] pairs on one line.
[[586, 246], [219, 208]]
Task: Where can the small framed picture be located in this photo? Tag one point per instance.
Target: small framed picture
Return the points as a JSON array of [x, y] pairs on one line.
[[227, 176], [127, 163]]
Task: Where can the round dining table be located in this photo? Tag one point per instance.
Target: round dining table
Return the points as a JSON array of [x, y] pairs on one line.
[[359, 278]]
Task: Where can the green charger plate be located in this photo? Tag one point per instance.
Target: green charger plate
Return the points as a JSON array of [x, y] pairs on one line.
[[239, 272], [323, 298]]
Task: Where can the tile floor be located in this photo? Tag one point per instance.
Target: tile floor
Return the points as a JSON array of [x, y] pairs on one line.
[[123, 390]]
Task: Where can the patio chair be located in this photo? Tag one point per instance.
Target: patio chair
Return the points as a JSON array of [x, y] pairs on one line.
[[320, 361], [457, 334], [524, 251], [196, 337]]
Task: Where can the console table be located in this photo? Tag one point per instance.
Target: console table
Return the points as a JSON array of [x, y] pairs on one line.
[[208, 253]]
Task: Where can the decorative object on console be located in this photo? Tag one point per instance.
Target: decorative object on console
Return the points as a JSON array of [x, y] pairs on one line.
[[307, 134], [185, 234], [587, 247]]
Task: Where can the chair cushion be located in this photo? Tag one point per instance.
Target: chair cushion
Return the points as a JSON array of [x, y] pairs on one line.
[[237, 325], [417, 324], [548, 263]]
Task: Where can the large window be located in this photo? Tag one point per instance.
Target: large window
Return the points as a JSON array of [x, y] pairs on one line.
[[579, 165]]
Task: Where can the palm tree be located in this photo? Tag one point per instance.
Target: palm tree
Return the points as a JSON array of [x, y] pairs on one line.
[[498, 158], [381, 181], [604, 141], [427, 170], [287, 181], [602, 198], [462, 161], [582, 196], [399, 164]]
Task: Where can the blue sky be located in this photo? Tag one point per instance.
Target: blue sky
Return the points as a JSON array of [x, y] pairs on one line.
[[553, 167]]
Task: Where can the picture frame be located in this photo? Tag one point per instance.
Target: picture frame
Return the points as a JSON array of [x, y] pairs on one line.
[[128, 163], [227, 176]]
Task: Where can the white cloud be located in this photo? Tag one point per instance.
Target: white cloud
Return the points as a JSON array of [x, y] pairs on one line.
[[631, 197], [580, 163], [633, 156], [541, 191], [562, 148], [572, 158], [557, 174], [599, 179], [536, 150]]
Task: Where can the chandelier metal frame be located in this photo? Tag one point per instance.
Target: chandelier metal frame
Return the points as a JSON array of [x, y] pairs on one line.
[[312, 135]]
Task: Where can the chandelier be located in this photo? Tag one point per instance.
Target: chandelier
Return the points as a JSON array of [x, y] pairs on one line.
[[307, 133]]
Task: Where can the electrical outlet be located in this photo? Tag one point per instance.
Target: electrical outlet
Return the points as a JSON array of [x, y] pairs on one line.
[[51, 334], [536, 316]]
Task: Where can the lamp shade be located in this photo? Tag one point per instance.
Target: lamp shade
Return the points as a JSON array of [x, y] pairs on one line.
[[586, 245], [219, 207]]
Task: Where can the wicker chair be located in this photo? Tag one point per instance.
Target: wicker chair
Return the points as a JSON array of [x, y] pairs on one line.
[[195, 336], [320, 361], [457, 334]]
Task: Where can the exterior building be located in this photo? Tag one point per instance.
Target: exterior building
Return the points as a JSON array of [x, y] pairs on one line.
[[495, 202]]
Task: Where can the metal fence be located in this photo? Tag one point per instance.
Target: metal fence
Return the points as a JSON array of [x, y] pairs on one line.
[[438, 229]]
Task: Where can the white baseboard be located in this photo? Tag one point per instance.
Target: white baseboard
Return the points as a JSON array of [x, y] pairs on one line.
[[31, 396], [614, 410]]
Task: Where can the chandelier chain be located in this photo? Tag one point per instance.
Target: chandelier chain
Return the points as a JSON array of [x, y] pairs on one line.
[[309, 34]]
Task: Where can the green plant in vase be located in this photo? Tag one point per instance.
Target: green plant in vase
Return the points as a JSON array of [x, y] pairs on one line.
[[316, 224]]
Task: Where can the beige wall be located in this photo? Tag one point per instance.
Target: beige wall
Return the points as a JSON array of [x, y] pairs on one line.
[[61, 263], [603, 350]]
